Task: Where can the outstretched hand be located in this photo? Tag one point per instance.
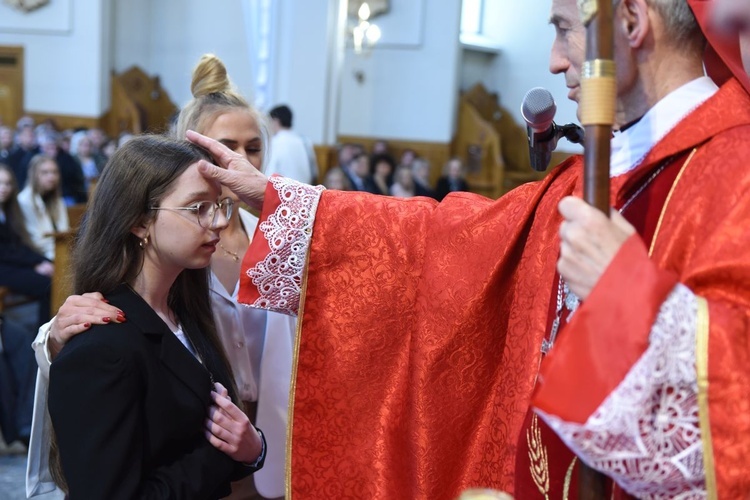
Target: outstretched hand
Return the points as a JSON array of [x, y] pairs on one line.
[[76, 315], [238, 174], [588, 243], [229, 430]]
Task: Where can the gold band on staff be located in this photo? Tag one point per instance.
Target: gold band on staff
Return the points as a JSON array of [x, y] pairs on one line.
[[598, 92]]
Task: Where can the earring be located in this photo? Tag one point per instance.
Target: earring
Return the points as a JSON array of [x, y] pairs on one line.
[[143, 243]]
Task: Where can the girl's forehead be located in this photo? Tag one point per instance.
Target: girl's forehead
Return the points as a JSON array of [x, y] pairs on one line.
[[191, 181]]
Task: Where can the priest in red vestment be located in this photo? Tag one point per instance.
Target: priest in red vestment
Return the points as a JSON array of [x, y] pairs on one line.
[[423, 325]]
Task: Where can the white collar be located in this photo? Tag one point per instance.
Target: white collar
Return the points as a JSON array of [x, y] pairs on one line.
[[630, 147]]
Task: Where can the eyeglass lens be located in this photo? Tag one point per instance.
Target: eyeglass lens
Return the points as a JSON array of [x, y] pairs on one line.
[[207, 211]]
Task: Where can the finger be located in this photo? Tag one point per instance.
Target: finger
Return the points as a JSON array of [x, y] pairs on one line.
[[217, 443], [218, 431], [230, 409], [222, 154], [221, 389], [622, 223], [90, 305], [570, 206]]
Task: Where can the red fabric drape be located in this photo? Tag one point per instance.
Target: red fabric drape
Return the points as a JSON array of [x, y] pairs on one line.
[[421, 322]]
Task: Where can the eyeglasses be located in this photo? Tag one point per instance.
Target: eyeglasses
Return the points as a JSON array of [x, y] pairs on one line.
[[205, 211]]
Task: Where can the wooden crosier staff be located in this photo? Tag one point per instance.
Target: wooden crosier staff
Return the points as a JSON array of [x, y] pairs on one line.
[[597, 107]]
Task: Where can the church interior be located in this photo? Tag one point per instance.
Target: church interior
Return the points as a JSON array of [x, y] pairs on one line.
[[440, 79]]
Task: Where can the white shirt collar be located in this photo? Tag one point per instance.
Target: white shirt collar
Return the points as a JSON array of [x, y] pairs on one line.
[[631, 146]]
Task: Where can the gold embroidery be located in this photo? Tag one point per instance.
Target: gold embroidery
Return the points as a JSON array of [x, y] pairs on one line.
[[701, 362], [669, 197], [568, 478], [293, 384], [538, 457]]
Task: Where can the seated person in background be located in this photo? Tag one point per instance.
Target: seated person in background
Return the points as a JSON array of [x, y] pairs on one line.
[[335, 178], [6, 143], [420, 171], [143, 408], [42, 205], [108, 149], [17, 369], [22, 269], [403, 186], [91, 162], [407, 158], [451, 180], [381, 170], [358, 172], [71, 176], [24, 149], [380, 147], [98, 139]]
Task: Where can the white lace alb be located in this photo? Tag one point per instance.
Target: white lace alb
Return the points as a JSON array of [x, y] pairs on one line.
[[646, 434]]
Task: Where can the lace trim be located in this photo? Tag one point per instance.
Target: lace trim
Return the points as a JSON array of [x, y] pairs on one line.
[[288, 231], [646, 434]]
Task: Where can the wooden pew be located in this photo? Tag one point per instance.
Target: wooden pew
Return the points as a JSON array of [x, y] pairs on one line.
[[62, 283]]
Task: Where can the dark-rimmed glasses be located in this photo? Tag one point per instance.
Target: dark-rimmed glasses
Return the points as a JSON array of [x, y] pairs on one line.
[[205, 211]]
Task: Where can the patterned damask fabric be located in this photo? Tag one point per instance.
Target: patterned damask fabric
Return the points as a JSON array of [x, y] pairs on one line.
[[421, 324], [646, 434], [288, 231]]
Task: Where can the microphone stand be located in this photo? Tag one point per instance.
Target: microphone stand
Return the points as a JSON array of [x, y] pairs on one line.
[[540, 150]]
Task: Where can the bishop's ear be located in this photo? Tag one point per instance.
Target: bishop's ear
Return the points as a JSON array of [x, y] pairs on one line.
[[633, 18]]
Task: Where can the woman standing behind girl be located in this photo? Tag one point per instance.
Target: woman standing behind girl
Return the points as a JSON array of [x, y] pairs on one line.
[[259, 344], [42, 205], [129, 401]]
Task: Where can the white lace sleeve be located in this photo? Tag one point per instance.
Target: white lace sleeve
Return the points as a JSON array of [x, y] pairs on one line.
[[288, 231], [646, 434]]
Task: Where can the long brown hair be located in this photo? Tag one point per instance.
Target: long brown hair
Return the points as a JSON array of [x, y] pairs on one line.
[[50, 198], [12, 211], [107, 254]]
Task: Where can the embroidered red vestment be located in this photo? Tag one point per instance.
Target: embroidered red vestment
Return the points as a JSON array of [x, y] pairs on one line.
[[421, 323]]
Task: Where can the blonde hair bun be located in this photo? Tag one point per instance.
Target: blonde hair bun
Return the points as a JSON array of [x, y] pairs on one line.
[[210, 76]]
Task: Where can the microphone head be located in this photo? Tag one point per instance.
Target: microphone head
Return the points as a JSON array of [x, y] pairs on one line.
[[538, 109]]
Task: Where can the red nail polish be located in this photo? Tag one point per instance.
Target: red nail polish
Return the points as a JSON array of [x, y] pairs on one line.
[[105, 301], [107, 319], [87, 324]]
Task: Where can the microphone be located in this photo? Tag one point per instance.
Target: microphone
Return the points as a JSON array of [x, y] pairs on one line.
[[538, 111]]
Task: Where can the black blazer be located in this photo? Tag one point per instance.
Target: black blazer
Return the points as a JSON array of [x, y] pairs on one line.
[[128, 403]]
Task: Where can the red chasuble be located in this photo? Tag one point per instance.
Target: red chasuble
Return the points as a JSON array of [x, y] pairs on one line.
[[421, 323], [701, 241]]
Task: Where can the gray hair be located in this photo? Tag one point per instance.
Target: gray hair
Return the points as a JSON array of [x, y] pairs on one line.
[[679, 21]]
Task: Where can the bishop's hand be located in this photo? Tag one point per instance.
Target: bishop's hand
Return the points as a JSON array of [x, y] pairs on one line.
[[588, 243], [238, 174]]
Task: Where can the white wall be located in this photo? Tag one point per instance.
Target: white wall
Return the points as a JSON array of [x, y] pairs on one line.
[[167, 37], [66, 71], [409, 91], [305, 51], [525, 35]]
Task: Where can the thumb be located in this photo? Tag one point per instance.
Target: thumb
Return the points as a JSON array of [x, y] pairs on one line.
[[211, 171]]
